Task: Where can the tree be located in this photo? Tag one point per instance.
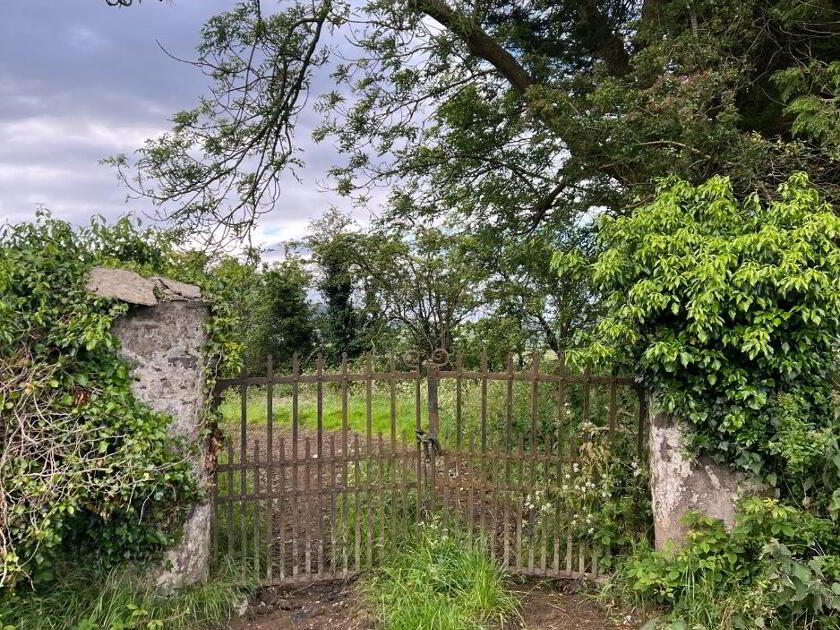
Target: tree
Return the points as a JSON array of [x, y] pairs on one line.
[[512, 122], [283, 321], [331, 243], [515, 112], [423, 282]]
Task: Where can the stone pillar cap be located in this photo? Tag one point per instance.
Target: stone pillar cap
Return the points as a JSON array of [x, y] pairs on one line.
[[131, 287]]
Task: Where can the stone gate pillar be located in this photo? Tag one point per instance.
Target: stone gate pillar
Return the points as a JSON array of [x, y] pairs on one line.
[[682, 484], [163, 339]]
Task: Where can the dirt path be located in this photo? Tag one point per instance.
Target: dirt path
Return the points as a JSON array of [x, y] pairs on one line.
[[337, 606]]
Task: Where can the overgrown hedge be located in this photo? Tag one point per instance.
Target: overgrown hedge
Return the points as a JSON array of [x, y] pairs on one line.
[[84, 468], [730, 312]]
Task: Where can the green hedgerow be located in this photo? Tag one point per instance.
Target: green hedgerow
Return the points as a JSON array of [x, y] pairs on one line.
[[730, 311], [82, 461]]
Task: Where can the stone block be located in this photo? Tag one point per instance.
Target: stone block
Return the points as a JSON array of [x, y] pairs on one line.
[[682, 484]]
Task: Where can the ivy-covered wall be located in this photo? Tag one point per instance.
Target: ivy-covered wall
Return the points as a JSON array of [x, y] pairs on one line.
[[88, 472]]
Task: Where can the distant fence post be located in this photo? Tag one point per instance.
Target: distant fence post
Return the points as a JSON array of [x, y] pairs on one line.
[[163, 339]]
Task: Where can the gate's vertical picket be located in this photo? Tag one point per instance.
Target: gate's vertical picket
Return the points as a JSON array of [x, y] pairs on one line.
[[345, 454], [333, 559], [535, 368], [546, 454], [307, 500], [230, 498], [381, 493], [269, 420], [395, 463], [459, 367], [432, 418], [419, 462], [471, 482], [369, 456], [519, 497], [444, 489], [507, 495], [486, 488], [357, 491], [257, 510], [319, 449], [281, 508], [393, 384], [295, 513], [243, 470], [558, 449]]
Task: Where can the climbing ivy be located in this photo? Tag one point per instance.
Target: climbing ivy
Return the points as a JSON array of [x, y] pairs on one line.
[[730, 310], [85, 467]]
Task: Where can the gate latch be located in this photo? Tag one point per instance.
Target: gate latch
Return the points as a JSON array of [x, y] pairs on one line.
[[430, 443]]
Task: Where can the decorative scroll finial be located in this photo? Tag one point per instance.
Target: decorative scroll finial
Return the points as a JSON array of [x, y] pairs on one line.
[[439, 358]]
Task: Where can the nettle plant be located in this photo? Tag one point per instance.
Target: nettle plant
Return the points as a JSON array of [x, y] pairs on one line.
[[730, 311]]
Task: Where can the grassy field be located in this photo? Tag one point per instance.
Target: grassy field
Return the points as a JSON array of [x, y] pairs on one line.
[[406, 411]]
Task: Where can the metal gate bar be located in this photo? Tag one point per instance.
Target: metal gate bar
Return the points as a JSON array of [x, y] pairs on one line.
[[330, 513]]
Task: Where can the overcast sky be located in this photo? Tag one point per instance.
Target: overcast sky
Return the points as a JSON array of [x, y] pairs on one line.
[[80, 81]]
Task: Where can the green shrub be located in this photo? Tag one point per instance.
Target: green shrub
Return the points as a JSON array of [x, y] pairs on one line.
[[730, 312], [81, 458], [777, 567]]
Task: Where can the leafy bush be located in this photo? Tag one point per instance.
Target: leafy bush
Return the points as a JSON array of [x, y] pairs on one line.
[[731, 312], [777, 567], [84, 466]]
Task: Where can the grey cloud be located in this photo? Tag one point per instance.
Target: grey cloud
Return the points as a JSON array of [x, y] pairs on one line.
[[80, 81]]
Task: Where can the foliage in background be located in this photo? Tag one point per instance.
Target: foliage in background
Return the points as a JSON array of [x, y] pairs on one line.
[[281, 322], [440, 580], [505, 122], [348, 317]]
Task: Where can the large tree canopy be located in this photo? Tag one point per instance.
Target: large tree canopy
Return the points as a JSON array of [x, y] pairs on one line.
[[516, 114], [510, 123]]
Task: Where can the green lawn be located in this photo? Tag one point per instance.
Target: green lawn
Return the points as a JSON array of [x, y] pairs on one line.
[[307, 416], [406, 413]]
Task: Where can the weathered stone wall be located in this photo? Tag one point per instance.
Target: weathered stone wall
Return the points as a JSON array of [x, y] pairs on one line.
[[681, 484], [163, 339]]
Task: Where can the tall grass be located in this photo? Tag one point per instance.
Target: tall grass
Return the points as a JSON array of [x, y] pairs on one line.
[[85, 598], [440, 580]]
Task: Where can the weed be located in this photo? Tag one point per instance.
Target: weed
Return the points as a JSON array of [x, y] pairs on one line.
[[91, 599], [440, 580]]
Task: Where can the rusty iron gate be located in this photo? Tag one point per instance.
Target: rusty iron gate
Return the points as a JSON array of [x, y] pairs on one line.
[[300, 502]]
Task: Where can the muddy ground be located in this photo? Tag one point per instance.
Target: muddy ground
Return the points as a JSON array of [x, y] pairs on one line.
[[546, 605]]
